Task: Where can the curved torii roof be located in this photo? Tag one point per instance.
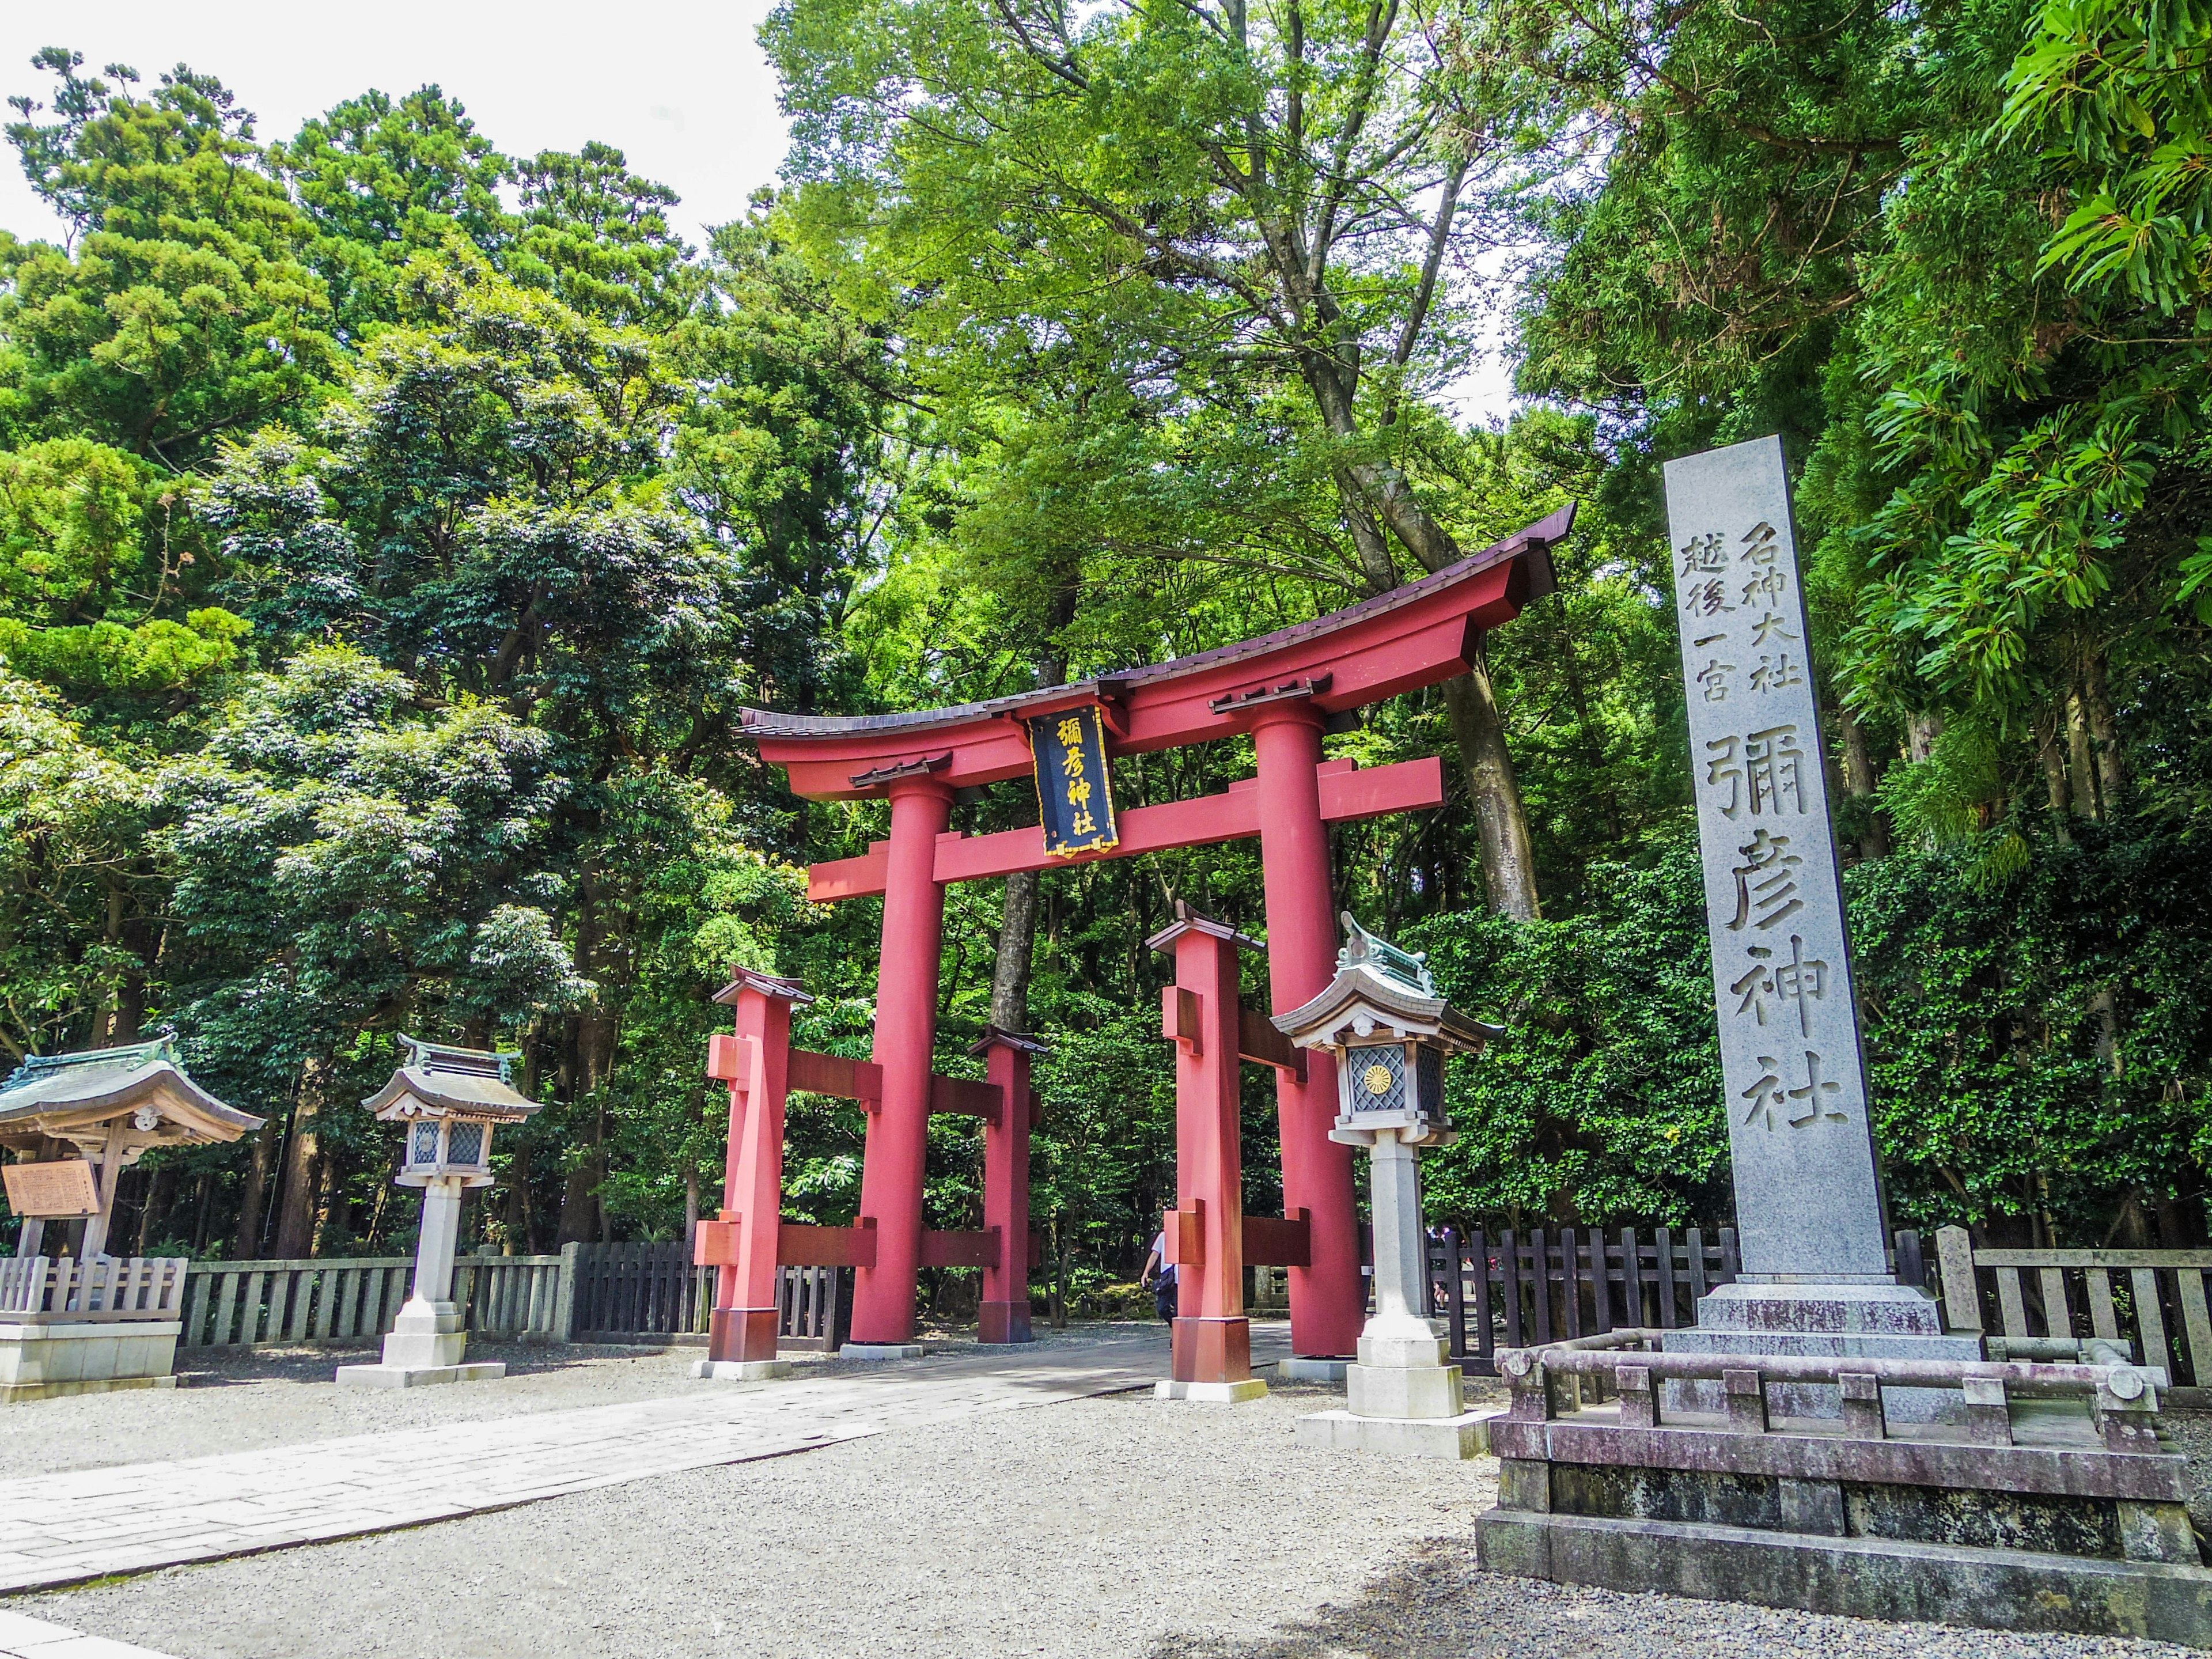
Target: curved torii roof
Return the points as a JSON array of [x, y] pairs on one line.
[[1410, 637]]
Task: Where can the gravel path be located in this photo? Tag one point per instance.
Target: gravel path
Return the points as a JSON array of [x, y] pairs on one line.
[[247, 1402], [1109, 1529]]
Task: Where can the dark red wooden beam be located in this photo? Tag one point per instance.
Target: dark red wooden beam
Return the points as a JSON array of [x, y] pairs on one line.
[[1347, 796]]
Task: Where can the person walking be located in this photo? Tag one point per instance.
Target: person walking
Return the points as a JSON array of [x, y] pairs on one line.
[[1164, 1284]]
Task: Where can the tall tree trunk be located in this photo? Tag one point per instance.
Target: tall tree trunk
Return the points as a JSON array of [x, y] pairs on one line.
[[1859, 784], [296, 1216], [248, 1243], [1010, 974], [1509, 863], [2053, 759], [203, 1206], [159, 1191], [580, 1073], [2104, 733], [2080, 760], [333, 1218], [1921, 732]]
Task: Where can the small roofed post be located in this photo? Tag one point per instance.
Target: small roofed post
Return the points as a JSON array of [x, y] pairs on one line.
[[76, 1121], [1390, 1035], [449, 1101]]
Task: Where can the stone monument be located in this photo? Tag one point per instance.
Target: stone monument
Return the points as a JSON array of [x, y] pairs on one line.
[[1809, 1219], [1390, 1034], [1818, 1441], [449, 1099]]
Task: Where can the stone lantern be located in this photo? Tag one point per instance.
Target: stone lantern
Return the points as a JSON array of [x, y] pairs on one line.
[[449, 1101], [1390, 1034]]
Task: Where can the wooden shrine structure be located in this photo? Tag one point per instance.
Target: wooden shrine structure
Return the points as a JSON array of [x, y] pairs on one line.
[[1284, 690]]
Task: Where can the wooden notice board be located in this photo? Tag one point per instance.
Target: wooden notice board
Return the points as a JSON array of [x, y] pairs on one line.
[[51, 1189]]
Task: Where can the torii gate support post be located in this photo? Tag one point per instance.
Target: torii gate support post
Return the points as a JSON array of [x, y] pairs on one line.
[[906, 1035], [1328, 1297], [1005, 1314], [1211, 1356], [741, 1243]]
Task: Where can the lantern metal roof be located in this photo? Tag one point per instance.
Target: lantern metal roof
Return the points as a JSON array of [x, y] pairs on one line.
[[1377, 985], [80, 1095], [440, 1080]]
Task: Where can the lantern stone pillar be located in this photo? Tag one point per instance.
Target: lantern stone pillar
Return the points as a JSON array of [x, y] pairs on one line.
[[1390, 1034], [448, 1101]]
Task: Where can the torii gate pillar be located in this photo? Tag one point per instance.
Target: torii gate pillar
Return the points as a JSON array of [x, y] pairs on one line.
[[906, 1035], [741, 1242], [1328, 1301], [1211, 1347], [1005, 1314]]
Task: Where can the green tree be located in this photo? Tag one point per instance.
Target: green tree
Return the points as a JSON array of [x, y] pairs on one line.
[[1212, 198], [348, 866], [182, 308]]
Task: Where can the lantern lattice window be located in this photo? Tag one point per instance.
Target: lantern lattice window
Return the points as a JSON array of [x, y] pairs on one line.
[[1378, 1077]]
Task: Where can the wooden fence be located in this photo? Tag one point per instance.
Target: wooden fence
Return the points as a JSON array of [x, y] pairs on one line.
[[626, 1291], [1516, 1290], [2155, 1299], [354, 1300], [104, 1287]]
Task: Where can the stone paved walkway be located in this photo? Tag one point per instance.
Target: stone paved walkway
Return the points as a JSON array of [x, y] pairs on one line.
[[67, 1528], [22, 1637]]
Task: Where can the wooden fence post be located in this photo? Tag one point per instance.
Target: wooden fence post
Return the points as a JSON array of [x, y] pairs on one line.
[[564, 1295], [1954, 1266]]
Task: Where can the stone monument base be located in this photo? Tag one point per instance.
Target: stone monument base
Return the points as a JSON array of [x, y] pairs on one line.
[[2048, 1500], [1453, 1439], [46, 1361], [1821, 1322], [418, 1376], [739, 1370], [1221, 1394]]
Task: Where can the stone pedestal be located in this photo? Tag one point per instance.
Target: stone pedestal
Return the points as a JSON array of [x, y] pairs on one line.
[[739, 1370], [1303, 1369], [1402, 1397], [43, 1361], [1220, 1394], [1821, 1322], [425, 1345]]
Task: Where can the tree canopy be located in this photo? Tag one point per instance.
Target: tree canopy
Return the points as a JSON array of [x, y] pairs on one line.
[[391, 529]]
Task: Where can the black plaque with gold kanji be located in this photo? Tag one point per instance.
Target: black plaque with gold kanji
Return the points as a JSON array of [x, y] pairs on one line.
[[1075, 796]]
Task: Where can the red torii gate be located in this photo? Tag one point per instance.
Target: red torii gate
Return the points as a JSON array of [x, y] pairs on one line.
[[1284, 689]]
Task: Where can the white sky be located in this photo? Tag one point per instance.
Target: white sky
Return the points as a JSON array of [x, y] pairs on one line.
[[687, 97], [690, 99]]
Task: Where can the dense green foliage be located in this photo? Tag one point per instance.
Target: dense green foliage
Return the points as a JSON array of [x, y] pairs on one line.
[[390, 530]]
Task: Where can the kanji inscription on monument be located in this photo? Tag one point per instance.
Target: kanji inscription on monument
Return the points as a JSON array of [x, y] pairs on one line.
[[1808, 1205]]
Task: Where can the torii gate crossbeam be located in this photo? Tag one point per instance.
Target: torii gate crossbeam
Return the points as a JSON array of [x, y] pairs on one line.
[[1284, 689]]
